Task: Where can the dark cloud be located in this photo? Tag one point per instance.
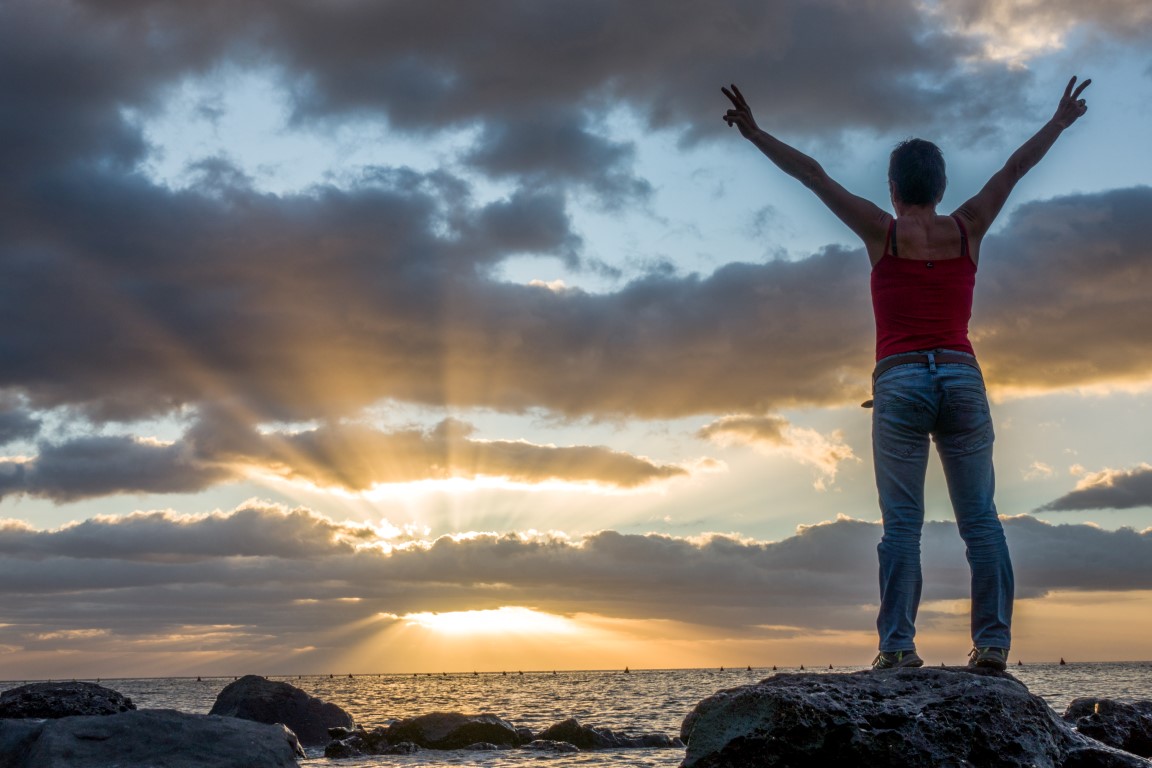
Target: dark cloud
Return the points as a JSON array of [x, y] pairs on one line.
[[104, 465], [289, 572], [1062, 295], [1107, 489], [816, 61], [351, 457], [16, 423], [125, 299], [251, 531], [560, 148]]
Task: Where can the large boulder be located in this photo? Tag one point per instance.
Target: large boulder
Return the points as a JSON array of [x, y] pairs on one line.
[[253, 697], [52, 700], [157, 738], [1116, 723], [904, 718], [452, 730]]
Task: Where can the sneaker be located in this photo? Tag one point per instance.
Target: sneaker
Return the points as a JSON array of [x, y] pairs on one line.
[[989, 658], [897, 660]]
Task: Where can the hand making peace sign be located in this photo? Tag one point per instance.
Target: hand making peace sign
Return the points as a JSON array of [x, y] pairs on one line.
[[1071, 106]]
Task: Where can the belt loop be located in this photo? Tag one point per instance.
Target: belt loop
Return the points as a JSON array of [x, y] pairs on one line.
[[932, 361]]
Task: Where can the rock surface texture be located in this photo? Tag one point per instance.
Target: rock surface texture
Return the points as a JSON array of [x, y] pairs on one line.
[[253, 697], [158, 738], [452, 730], [1117, 724], [906, 718], [52, 700], [590, 737]]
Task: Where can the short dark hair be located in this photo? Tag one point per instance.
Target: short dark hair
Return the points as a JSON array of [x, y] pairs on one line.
[[916, 168]]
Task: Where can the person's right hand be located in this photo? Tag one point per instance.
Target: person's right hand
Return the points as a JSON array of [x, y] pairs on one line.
[[1072, 107], [741, 114]]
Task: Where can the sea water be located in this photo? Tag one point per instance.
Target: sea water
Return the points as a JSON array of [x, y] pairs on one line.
[[632, 703]]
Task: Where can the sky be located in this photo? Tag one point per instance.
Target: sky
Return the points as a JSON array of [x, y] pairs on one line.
[[346, 336]]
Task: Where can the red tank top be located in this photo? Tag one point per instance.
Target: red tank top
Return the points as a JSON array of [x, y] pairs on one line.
[[922, 305]]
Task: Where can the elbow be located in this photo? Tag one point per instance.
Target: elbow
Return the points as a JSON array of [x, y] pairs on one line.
[[812, 175]]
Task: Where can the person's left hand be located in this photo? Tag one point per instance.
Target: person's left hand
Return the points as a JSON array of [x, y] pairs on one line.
[[1071, 107], [741, 114]]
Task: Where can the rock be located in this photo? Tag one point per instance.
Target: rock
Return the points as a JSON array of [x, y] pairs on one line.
[[904, 718], [452, 730], [151, 737], [544, 745], [360, 742], [483, 746], [579, 735], [1117, 724], [265, 701], [16, 736], [589, 737], [340, 732], [339, 749], [52, 700]]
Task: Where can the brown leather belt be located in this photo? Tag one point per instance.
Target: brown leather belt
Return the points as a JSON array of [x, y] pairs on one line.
[[935, 357]]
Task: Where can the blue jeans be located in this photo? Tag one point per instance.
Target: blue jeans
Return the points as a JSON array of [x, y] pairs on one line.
[[948, 402]]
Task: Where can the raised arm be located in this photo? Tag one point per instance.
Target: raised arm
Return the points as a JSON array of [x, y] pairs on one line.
[[980, 211], [862, 216]]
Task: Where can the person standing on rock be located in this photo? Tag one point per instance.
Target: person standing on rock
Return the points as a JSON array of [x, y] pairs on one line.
[[927, 382]]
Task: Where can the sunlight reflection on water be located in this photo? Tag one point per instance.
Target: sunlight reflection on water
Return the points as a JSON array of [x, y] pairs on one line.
[[640, 702]]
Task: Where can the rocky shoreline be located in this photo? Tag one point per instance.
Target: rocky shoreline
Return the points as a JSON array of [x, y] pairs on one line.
[[943, 718]]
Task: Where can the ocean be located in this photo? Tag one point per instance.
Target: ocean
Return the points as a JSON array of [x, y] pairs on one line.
[[640, 701]]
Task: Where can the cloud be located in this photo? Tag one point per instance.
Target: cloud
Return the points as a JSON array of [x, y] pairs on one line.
[[345, 456], [1062, 275], [265, 574], [775, 434], [1107, 489], [16, 423], [1016, 32], [253, 530], [356, 457], [1038, 470], [103, 465], [559, 148], [124, 299]]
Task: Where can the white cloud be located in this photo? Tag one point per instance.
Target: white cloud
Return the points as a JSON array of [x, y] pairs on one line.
[[775, 435]]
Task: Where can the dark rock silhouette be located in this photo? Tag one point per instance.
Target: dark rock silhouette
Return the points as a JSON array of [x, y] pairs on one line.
[[53, 700], [452, 730], [1117, 724], [361, 742], [904, 718], [253, 697], [149, 737], [589, 737], [542, 745]]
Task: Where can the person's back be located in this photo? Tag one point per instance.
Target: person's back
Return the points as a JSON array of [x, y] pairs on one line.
[[927, 384]]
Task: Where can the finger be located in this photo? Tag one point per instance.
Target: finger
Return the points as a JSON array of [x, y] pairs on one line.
[[1083, 85], [731, 97], [1068, 88], [743, 101]]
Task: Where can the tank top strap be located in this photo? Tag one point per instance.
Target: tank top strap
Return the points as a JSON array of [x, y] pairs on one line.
[[963, 237], [890, 242]]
